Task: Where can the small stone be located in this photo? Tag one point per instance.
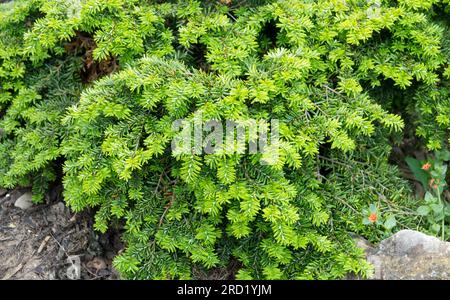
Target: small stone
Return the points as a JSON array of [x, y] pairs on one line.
[[24, 202], [410, 254], [362, 243]]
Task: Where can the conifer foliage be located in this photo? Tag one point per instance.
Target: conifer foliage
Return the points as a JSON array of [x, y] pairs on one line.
[[90, 90]]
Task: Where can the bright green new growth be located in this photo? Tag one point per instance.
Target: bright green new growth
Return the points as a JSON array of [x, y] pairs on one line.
[[336, 74]]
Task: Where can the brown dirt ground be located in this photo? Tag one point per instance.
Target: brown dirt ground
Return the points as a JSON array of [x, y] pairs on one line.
[[47, 242]]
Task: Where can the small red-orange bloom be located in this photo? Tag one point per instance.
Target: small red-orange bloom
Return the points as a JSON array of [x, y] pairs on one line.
[[373, 217], [426, 166], [433, 183]]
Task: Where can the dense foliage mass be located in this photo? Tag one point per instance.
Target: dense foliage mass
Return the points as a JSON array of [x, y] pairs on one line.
[[90, 90]]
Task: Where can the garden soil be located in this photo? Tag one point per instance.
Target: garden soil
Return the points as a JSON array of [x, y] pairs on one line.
[[50, 242]]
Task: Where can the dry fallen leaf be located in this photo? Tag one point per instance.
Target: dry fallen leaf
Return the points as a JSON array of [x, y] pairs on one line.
[[97, 264]]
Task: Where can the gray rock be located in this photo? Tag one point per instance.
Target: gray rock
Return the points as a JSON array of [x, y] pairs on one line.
[[24, 202], [411, 255], [3, 192], [363, 243]]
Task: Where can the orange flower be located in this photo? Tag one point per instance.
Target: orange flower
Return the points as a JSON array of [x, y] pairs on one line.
[[373, 217], [433, 184], [426, 166]]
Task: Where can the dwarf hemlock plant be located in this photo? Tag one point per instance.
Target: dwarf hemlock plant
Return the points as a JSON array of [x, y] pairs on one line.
[[106, 87], [49, 50], [32, 100]]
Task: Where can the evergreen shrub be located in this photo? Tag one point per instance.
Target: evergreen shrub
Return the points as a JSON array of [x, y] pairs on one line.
[[90, 90]]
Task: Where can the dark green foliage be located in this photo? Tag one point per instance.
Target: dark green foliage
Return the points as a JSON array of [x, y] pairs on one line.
[[342, 77], [33, 100]]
